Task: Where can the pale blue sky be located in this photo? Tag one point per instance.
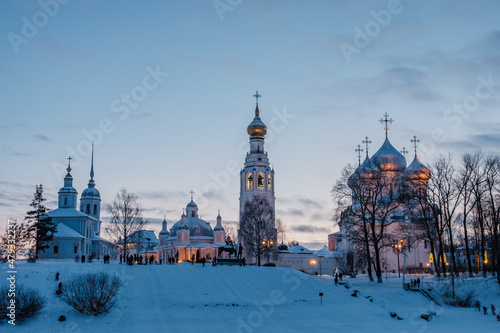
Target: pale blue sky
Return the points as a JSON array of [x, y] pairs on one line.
[[64, 79]]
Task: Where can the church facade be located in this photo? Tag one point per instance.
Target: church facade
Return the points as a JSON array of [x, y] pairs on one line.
[[383, 188], [190, 238], [78, 231]]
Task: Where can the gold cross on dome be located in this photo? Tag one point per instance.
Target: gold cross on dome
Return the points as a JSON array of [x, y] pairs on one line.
[[257, 97], [359, 150], [415, 142], [387, 121], [366, 142], [404, 151]]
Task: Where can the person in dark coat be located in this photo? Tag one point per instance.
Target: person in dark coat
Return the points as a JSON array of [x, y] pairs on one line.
[[336, 280], [492, 309], [340, 276], [418, 282], [485, 309], [203, 260], [121, 258], [57, 276], [478, 306], [151, 259], [240, 251], [83, 258]]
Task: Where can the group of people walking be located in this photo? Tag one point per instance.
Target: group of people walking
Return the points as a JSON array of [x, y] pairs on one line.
[[138, 259]]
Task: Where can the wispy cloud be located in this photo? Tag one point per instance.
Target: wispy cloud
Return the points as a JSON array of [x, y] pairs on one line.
[[308, 229], [42, 137]]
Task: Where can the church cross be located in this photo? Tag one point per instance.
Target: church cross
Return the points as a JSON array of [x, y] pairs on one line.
[[387, 121], [366, 142], [359, 150], [69, 160], [415, 142], [404, 151], [257, 97], [192, 193]]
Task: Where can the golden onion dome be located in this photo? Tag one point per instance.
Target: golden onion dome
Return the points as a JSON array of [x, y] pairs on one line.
[[387, 158], [417, 171], [257, 127]]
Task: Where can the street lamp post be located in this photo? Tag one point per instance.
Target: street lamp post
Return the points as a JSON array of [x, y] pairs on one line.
[[146, 250], [404, 264], [267, 243], [397, 248], [313, 262]]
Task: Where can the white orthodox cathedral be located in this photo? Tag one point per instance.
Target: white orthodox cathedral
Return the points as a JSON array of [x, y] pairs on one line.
[[388, 167], [78, 231]]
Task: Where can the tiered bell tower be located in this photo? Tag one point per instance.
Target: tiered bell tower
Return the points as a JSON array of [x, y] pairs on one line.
[[256, 177], [67, 193]]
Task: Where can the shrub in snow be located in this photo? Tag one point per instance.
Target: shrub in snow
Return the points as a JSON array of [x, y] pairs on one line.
[[92, 294], [465, 294], [28, 303]]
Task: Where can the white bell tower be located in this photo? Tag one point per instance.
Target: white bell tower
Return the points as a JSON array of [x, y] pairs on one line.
[[256, 176]]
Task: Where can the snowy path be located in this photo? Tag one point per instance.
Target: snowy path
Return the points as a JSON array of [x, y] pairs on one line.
[[192, 298]]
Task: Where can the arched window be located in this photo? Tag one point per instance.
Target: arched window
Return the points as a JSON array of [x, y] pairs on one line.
[[88, 209], [95, 209], [269, 182], [65, 201], [250, 182], [260, 181]]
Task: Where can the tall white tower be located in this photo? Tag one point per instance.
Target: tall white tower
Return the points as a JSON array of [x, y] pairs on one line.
[[256, 177], [90, 202]]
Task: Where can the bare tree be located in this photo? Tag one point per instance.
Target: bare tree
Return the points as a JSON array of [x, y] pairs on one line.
[[492, 206], [466, 178], [126, 218], [280, 228], [375, 199], [257, 230], [447, 191], [230, 230], [479, 190], [345, 217], [14, 239]]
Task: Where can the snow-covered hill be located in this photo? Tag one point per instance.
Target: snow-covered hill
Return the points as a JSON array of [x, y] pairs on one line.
[[192, 298]]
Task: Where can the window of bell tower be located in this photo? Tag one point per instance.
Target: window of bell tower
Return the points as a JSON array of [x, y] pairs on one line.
[[87, 211], [250, 182], [95, 209], [260, 181], [269, 182]]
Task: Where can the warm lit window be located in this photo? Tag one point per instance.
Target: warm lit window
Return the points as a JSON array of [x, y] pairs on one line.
[[260, 181], [269, 182], [250, 182]]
